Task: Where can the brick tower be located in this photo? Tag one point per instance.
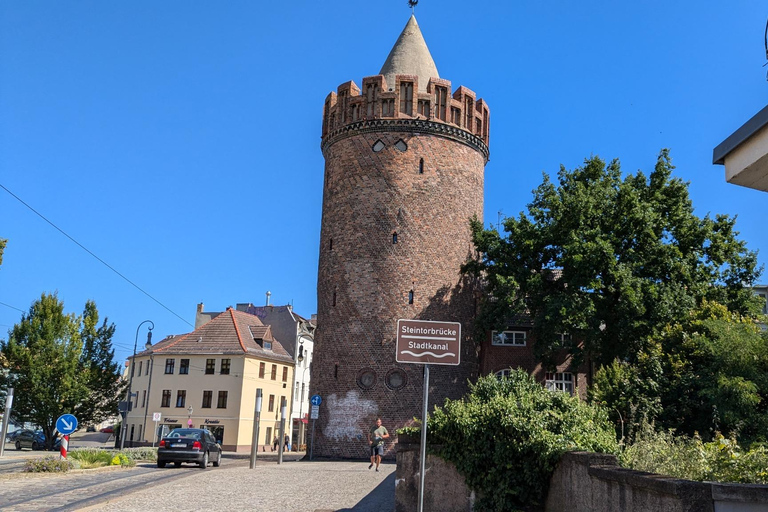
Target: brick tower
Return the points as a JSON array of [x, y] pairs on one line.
[[404, 164]]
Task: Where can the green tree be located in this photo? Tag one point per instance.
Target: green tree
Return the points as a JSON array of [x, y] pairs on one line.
[[3, 243], [51, 370], [610, 260]]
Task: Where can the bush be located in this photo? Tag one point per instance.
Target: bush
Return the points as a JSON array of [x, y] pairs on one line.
[[720, 460], [507, 435], [47, 465], [90, 457], [138, 454]]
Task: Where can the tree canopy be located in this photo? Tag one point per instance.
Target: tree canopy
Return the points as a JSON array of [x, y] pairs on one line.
[[610, 260], [61, 363]]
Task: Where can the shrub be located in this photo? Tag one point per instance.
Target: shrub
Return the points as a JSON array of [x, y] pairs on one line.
[[720, 460], [507, 435], [47, 465], [121, 459], [90, 457], [139, 454]]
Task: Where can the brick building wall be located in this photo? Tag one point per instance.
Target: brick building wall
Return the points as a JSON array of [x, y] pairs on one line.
[[398, 194]]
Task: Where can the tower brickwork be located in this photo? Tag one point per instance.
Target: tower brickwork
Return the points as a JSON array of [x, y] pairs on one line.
[[404, 166]]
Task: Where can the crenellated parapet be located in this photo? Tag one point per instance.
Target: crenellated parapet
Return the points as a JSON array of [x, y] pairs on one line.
[[440, 111]]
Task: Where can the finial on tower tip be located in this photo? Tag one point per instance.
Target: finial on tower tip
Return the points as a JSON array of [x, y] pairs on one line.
[[412, 5]]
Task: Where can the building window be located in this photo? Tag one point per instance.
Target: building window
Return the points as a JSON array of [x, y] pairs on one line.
[[455, 116], [333, 302], [296, 392], [169, 364], [370, 99], [273, 376], [388, 108], [441, 99], [166, 401], [133, 367], [395, 379], [207, 398], [225, 364], [330, 245], [271, 403], [401, 146], [262, 368], [336, 371], [565, 337], [503, 373], [285, 374], [366, 378], [184, 367], [559, 382], [406, 98], [144, 398], [181, 398], [355, 112], [423, 108], [140, 362], [468, 110], [303, 391], [146, 372], [222, 402], [266, 345], [421, 166], [509, 338], [378, 146], [394, 237], [210, 366]]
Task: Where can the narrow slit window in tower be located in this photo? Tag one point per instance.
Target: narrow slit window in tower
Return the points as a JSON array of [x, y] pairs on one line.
[[355, 112], [441, 97], [370, 99], [468, 112], [333, 302], [456, 116], [423, 108], [394, 237], [336, 371], [330, 245], [421, 166], [410, 297]]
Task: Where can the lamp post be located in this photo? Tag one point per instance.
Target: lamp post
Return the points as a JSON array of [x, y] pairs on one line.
[[189, 418], [148, 346], [130, 380]]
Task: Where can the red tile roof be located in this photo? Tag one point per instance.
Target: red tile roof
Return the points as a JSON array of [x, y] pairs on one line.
[[233, 332]]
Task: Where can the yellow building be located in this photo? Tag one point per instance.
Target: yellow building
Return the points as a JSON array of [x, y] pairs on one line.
[[208, 379]]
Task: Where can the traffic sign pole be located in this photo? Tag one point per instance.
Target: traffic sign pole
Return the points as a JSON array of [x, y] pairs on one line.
[[64, 446]]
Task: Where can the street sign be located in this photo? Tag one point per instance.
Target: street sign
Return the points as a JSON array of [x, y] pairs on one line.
[[316, 400], [314, 412], [428, 342], [66, 424], [156, 416]]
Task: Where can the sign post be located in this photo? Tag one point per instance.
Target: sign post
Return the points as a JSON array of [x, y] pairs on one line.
[[66, 424], [427, 342], [155, 417], [316, 400], [6, 419]]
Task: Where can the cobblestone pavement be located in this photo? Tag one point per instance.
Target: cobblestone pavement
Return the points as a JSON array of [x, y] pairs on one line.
[[294, 486]]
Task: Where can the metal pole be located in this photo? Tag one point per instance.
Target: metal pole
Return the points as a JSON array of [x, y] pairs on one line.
[[124, 429], [6, 419], [149, 388], [281, 443], [255, 438], [423, 456]]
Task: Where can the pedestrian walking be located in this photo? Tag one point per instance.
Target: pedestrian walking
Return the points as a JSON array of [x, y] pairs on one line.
[[376, 437]]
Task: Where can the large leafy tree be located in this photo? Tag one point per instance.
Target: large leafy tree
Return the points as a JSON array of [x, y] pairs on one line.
[[610, 260], [54, 363]]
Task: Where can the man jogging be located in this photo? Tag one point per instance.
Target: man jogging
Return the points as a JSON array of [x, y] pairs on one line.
[[376, 437]]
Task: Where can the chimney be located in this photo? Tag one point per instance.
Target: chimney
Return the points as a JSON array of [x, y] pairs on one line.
[[199, 308]]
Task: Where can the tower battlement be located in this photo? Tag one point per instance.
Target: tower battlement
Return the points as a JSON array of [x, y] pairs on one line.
[[441, 110]]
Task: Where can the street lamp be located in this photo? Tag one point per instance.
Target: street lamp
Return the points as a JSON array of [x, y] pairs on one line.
[[148, 346], [189, 418], [130, 380]]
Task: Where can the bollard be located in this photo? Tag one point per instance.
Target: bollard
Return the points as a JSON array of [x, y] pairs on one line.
[[64, 446]]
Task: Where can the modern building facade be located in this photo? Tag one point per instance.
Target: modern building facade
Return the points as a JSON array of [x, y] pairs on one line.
[[745, 153], [404, 170], [208, 379]]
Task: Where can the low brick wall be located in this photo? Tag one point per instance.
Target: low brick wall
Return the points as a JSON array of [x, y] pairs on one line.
[[444, 487], [591, 482]]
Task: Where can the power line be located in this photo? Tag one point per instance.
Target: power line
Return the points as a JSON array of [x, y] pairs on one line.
[[92, 254], [8, 305]]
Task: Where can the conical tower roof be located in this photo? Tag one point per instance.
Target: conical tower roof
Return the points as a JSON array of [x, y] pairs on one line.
[[410, 56]]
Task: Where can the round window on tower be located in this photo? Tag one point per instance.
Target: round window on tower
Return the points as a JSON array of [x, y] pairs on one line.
[[366, 378], [396, 379]]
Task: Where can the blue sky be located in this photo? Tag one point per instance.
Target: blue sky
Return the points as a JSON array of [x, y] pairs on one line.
[[180, 141]]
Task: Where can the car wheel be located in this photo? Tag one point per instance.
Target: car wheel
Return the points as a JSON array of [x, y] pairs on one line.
[[177, 464], [18, 445], [35, 446], [204, 462], [160, 463], [217, 462]]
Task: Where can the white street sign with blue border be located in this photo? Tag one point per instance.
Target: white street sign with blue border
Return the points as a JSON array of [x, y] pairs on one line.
[[316, 400], [66, 424]]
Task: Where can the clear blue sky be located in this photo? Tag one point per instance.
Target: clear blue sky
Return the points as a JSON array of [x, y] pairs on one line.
[[180, 140]]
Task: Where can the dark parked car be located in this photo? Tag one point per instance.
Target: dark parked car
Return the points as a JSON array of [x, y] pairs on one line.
[[11, 436], [33, 440], [195, 445]]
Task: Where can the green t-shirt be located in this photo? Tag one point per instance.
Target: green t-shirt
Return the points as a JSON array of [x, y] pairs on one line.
[[376, 435]]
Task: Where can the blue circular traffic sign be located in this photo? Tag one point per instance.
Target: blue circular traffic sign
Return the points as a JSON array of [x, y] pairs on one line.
[[316, 400], [66, 424]]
